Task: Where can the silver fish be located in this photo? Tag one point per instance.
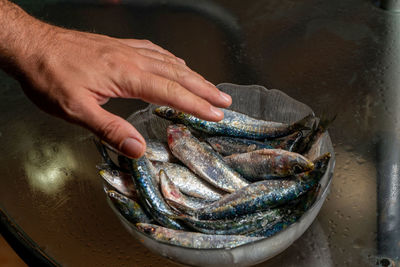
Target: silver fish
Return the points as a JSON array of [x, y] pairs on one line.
[[188, 182], [237, 226], [158, 151], [205, 163], [193, 240], [267, 163], [150, 196], [292, 214], [235, 124], [120, 181], [128, 208], [171, 192], [226, 145], [263, 195]]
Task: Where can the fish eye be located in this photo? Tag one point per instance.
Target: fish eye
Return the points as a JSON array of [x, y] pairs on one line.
[[170, 113], [297, 168]]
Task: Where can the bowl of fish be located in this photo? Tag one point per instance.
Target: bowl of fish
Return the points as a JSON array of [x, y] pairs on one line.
[[230, 193]]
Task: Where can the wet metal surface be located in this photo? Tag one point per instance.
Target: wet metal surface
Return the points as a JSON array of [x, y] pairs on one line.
[[335, 56]]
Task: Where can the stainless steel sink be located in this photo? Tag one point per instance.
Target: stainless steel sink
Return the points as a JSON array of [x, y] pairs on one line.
[[338, 57]]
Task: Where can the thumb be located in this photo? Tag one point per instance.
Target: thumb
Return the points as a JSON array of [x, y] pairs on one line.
[[114, 130]]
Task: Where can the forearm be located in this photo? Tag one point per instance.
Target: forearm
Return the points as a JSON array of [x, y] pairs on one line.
[[20, 37]]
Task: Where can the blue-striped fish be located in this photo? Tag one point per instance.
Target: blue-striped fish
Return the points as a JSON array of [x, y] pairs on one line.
[[235, 124], [262, 195], [193, 240], [128, 208], [150, 196], [206, 163]]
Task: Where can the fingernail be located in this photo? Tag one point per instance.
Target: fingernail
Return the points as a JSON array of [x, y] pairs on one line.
[[132, 147], [227, 98], [216, 111]]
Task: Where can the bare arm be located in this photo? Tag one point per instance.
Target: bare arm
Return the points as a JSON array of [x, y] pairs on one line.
[[70, 74]]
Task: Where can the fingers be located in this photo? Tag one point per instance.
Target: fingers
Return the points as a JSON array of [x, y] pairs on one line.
[[114, 130], [149, 45], [158, 56], [163, 91], [162, 63], [189, 80]]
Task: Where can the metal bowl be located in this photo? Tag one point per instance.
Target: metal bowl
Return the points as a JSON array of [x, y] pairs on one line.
[[258, 102]]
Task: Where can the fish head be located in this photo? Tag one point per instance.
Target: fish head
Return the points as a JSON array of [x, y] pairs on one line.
[[168, 113], [121, 202], [116, 198], [109, 174], [320, 167], [321, 163], [146, 228], [176, 132], [301, 164]]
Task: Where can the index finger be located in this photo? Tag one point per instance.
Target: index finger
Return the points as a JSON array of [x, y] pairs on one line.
[[161, 91]]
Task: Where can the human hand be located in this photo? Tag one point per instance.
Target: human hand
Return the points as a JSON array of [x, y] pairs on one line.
[[70, 74]]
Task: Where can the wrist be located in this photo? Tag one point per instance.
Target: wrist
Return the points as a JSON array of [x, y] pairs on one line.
[[22, 38]]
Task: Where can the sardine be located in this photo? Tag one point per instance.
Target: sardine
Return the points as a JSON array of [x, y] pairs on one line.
[[188, 182], [290, 215], [171, 192], [102, 148], [275, 227], [262, 195], [235, 124], [267, 163], [318, 128], [227, 146], [158, 151], [193, 240], [237, 226], [150, 196], [120, 181], [128, 208], [205, 163]]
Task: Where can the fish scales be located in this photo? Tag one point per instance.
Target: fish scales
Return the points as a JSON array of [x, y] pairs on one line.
[[235, 124], [119, 180], [152, 201], [205, 163], [128, 208], [262, 195], [267, 163], [290, 215], [188, 182], [158, 151], [226, 145], [238, 226], [171, 192], [192, 239]]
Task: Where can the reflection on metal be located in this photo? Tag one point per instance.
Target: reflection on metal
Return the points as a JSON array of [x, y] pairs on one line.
[[48, 167], [389, 198], [391, 5], [388, 145]]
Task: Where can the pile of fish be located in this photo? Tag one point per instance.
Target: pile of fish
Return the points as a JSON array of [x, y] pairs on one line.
[[218, 184]]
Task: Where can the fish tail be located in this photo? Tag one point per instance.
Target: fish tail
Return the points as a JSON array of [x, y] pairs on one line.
[[106, 157], [180, 207], [303, 123], [325, 122]]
